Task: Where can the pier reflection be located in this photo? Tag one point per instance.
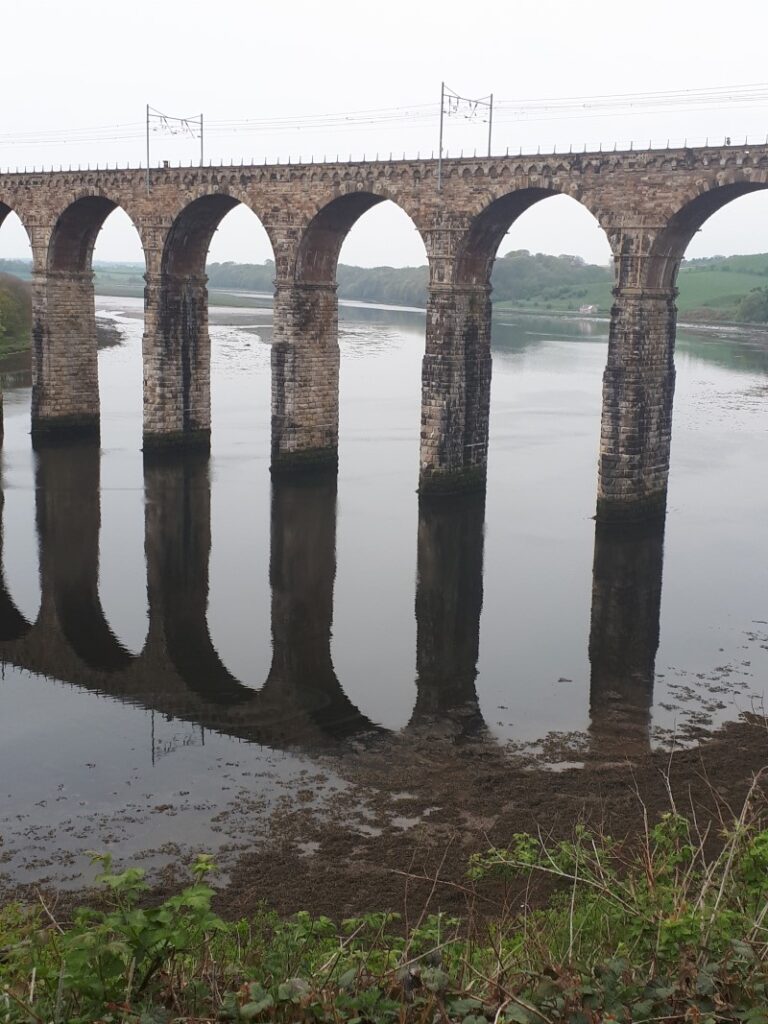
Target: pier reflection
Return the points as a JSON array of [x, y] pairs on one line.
[[68, 517], [302, 571], [449, 599], [624, 633]]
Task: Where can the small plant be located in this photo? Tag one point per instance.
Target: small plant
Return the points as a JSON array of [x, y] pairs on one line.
[[108, 958]]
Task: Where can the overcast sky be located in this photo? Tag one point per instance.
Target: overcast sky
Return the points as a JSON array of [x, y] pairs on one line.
[[85, 65]]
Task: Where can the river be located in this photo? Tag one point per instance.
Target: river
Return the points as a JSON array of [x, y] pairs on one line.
[[211, 656]]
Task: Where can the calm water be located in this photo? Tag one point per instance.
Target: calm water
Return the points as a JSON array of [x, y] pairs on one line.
[[179, 637]]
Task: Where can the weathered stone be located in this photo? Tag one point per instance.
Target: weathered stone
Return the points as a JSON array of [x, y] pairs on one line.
[[305, 378], [177, 362], [456, 390]]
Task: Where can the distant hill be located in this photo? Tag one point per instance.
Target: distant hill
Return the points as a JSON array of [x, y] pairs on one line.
[[725, 288], [718, 288]]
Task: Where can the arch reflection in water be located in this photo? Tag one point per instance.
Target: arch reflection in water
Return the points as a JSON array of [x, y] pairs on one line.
[[68, 518], [302, 703], [179, 672], [624, 631], [302, 571], [13, 624]]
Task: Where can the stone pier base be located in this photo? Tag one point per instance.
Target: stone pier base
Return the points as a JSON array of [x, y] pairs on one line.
[[456, 387], [65, 380], [173, 442], [638, 390], [305, 379], [49, 431], [177, 363]]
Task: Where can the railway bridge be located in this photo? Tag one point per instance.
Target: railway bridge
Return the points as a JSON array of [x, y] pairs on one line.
[[649, 203]]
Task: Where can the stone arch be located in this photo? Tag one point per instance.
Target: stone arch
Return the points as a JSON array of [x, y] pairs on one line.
[[8, 206], [65, 388], [193, 226], [76, 228], [23, 323], [320, 245], [176, 350], [668, 247], [478, 247]]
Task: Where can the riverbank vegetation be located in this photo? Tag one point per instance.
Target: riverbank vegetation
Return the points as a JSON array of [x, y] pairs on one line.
[[733, 288], [15, 314], [671, 926], [716, 289]]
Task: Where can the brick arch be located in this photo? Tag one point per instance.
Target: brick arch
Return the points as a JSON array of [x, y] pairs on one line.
[[193, 224], [76, 227], [695, 207], [319, 246], [490, 221]]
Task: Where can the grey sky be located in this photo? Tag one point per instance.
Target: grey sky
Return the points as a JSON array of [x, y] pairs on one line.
[[85, 65]]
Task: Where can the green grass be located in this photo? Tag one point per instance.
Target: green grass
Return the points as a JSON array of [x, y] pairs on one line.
[[713, 289]]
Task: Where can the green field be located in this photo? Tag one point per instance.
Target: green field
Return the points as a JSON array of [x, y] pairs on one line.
[[709, 290]]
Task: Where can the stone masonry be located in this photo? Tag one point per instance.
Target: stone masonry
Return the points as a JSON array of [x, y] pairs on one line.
[[649, 204]]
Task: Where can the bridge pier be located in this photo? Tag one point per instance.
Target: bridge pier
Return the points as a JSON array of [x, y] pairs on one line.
[[65, 379], [177, 363], [305, 378], [638, 390], [456, 389]]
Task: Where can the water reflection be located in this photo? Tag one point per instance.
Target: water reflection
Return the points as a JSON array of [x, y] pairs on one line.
[[302, 570], [13, 625], [302, 702], [68, 517], [177, 546], [449, 599], [624, 631]]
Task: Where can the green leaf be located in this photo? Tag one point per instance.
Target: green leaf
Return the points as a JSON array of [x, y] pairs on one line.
[[293, 990], [435, 979], [252, 1010], [517, 1015], [348, 978], [464, 1006]]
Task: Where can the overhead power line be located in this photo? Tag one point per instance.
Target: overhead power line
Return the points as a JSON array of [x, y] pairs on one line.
[[417, 115]]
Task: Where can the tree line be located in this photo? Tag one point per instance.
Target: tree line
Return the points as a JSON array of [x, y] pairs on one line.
[[15, 312], [518, 276]]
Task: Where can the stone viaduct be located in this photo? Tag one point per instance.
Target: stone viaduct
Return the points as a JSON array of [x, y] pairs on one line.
[[302, 704], [649, 203]]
